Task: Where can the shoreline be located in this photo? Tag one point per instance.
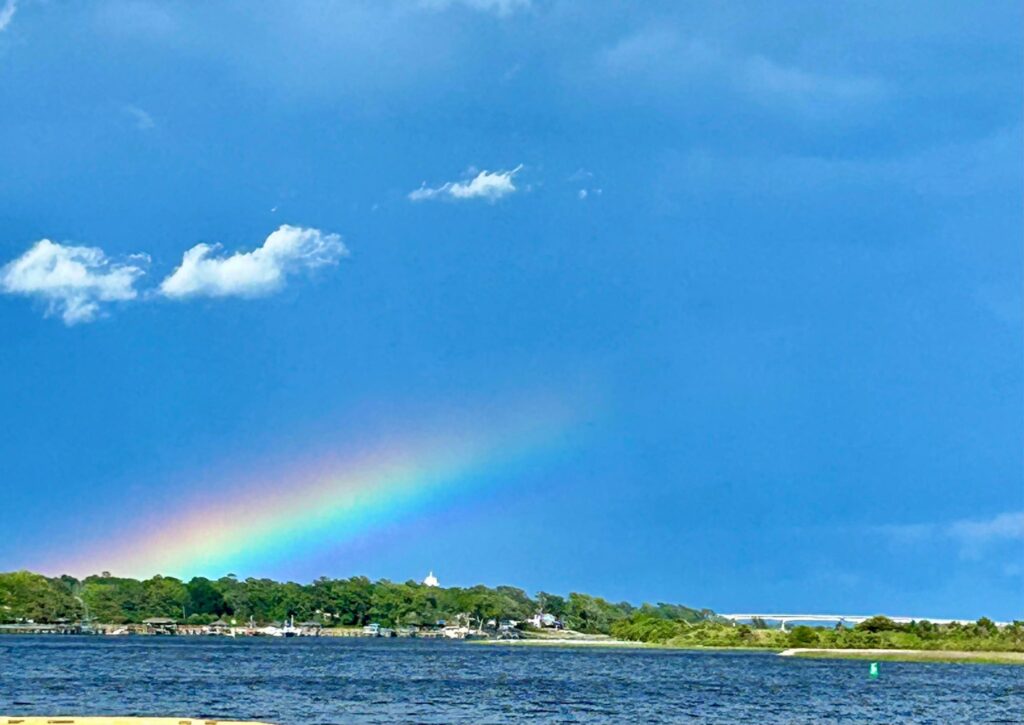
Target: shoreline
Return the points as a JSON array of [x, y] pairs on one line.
[[604, 642], [908, 655], [883, 655], [612, 644]]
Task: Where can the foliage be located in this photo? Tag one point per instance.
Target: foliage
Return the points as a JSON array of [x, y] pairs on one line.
[[25, 596], [877, 632], [355, 601], [585, 613]]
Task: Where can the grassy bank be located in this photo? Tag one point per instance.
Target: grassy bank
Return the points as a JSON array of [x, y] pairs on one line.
[[877, 634]]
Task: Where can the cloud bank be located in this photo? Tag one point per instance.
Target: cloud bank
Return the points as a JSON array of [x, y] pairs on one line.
[[286, 252], [74, 282], [487, 185]]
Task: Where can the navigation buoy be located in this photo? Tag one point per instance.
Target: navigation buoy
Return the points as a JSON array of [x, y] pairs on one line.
[[873, 671]]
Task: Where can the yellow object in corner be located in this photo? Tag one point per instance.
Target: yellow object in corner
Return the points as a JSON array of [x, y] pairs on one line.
[[33, 720]]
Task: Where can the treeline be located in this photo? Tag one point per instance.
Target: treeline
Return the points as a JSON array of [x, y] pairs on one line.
[[877, 632], [332, 602]]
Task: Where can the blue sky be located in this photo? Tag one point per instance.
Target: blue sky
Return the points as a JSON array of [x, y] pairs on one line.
[[775, 249]]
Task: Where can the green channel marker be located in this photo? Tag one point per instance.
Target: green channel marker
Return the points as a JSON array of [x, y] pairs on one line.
[[873, 671]]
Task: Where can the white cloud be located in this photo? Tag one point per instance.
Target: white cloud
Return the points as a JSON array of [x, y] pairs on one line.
[[143, 121], [73, 281], [287, 251], [485, 185], [502, 8], [7, 14]]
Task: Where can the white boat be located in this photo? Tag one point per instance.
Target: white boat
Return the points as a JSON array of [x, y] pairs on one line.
[[290, 630]]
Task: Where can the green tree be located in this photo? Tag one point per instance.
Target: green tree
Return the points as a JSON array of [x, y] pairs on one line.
[[879, 624], [28, 596], [204, 597], [114, 600], [593, 614], [165, 596], [803, 636]]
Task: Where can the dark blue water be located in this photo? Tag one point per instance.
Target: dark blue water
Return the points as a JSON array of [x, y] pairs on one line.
[[309, 681]]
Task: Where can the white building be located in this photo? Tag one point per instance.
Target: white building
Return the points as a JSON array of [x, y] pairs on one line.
[[431, 581]]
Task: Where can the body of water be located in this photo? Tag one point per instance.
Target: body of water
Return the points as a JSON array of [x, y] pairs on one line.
[[326, 680]]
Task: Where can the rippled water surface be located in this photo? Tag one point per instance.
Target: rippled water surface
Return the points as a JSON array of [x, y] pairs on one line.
[[326, 680]]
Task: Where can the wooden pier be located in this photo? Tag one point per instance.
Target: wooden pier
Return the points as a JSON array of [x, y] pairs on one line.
[[33, 628]]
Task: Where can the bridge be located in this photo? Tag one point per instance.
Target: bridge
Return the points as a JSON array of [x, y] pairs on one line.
[[782, 619]]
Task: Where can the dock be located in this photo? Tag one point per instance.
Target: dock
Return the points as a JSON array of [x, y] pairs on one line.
[[34, 628]]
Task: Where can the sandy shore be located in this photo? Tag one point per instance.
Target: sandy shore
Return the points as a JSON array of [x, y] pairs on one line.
[[909, 655]]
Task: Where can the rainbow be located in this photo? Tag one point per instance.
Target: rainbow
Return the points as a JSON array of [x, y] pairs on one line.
[[256, 524]]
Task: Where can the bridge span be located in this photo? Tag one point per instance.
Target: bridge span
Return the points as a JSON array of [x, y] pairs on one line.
[[782, 619]]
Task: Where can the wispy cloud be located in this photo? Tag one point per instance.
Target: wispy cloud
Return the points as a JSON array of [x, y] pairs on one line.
[[502, 8], [7, 13], [667, 60], [984, 167], [972, 535], [136, 18], [487, 185], [585, 178], [766, 78], [74, 282], [1006, 526], [287, 251], [143, 121]]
